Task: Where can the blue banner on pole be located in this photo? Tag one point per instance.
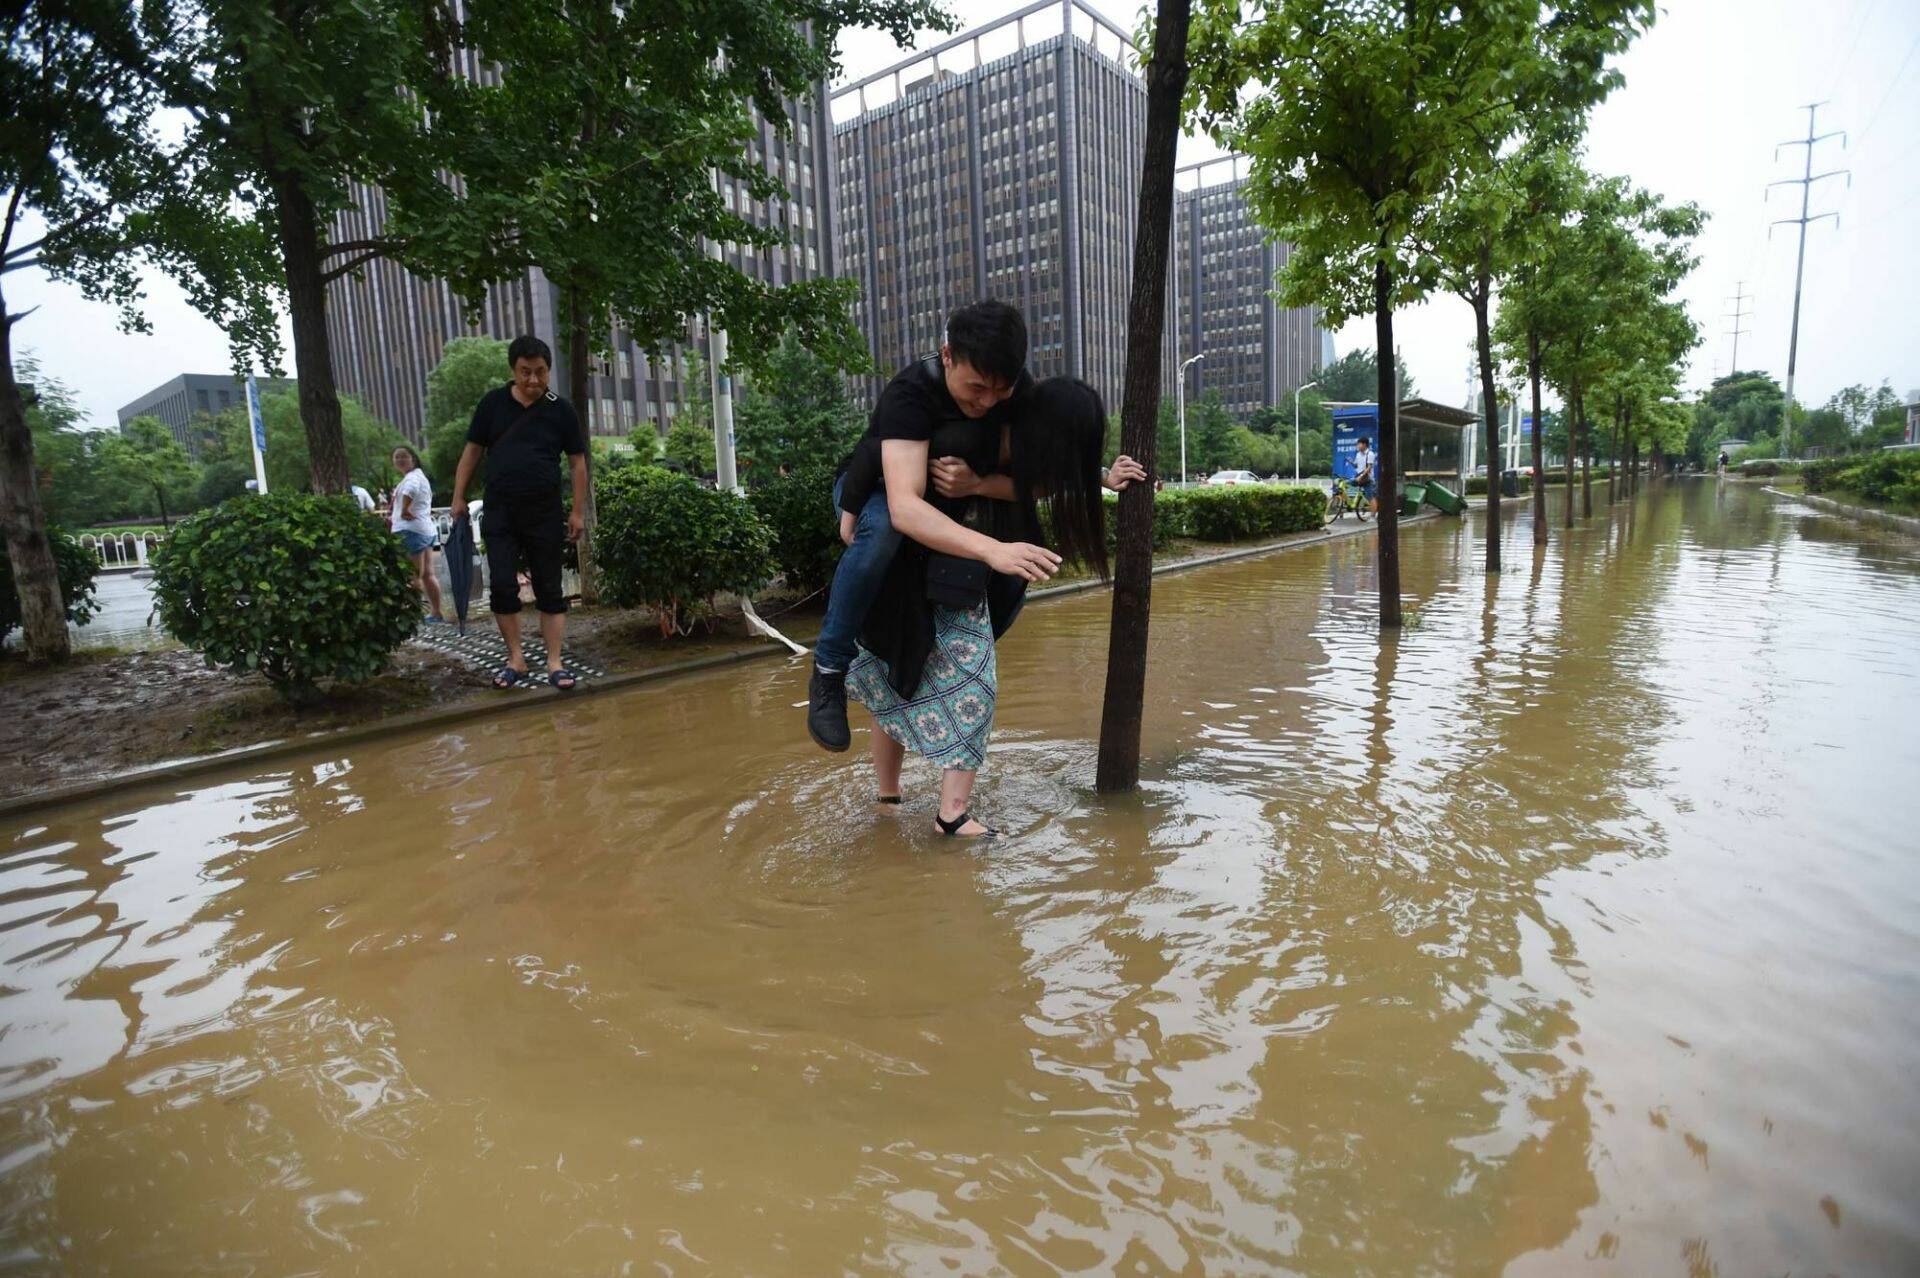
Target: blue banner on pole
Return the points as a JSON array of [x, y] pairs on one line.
[[253, 414]]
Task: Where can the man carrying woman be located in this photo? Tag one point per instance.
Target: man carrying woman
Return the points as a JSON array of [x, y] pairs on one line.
[[954, 571]]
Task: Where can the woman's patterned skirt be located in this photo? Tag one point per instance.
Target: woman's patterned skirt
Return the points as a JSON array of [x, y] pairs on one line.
[[949, 718]]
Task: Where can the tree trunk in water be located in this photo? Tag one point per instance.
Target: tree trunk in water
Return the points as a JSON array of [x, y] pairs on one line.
[[1386, 480], [1539, 448], [312, 352], [36, 579], [1633, 469], [1586, 456], [1613, 455], [1119, 765], [1483, 345], [1571, 409], [579, 392]]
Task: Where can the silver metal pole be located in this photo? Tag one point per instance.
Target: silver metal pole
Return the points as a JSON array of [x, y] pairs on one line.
[[1296, 427], [1191, 361]]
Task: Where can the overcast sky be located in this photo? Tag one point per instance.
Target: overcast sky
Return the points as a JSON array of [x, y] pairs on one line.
[[1709, 93]]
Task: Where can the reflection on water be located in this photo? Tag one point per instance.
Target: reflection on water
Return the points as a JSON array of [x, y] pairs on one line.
[[1571, 925]]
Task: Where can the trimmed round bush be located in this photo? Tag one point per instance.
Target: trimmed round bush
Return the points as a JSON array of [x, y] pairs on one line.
[[668, 542], [798, 510], [76, 567], [298, 587]]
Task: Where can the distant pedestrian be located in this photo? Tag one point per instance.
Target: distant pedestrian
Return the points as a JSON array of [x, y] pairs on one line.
[[522, 429], [411, 519], [363, 497]]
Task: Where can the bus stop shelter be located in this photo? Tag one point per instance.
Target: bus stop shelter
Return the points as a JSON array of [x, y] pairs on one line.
[[1432, 441]]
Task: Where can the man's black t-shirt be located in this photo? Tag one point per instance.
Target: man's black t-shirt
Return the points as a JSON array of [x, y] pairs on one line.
[[527, 460], [916, 405]]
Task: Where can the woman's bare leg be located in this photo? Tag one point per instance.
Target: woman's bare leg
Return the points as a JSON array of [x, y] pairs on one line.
[[956, 792], [429, 582], [888, 755]]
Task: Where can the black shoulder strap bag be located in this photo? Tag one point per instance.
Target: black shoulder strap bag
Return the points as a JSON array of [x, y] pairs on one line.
[[525, 414]]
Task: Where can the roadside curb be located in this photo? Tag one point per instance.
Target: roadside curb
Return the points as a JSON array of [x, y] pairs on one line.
[[1826, 506], [507, 702]]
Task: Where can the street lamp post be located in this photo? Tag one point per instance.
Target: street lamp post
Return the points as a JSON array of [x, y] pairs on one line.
[[1296, 427], [1181, 393]]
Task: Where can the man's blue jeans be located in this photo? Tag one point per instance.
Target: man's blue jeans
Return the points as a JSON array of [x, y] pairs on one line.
[[856, 582]]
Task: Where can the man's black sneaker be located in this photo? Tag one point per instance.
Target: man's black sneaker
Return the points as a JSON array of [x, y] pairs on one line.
[[827, 711]]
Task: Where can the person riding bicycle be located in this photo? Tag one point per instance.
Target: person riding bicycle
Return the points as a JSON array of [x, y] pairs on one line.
[[1363, 473]]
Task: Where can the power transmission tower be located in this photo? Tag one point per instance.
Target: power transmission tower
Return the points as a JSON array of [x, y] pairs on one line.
[[1738, 314], [1805, 182]]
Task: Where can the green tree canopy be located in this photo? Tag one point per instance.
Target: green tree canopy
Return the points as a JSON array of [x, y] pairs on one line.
[[794, 412], [145, 456], [1356, 376]]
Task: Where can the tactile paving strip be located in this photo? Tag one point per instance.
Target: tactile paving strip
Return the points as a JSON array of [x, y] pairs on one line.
[[483, 648]]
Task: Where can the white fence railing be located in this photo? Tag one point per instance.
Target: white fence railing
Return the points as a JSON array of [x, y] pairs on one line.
[[122, 550]]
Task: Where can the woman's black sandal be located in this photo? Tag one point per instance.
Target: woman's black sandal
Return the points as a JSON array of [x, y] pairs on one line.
[[886, 798], [951, 829]]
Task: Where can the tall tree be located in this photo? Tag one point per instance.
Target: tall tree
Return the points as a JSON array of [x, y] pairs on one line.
[[291, 105], [1355, 376], [145, 456], [614, 138], [1365, 113], [1118, 768], [94, 190]]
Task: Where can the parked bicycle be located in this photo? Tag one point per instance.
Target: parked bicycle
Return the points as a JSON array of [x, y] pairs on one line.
[[1346, 499]]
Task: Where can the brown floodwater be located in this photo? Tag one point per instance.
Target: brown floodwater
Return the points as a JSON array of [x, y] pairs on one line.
[[1576, 929]]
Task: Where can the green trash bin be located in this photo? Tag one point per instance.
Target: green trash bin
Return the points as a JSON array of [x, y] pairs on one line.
[[1411, 496], [1445, 500]]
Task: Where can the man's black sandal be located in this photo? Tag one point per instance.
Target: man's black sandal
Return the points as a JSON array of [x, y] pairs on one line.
[[951, 829]]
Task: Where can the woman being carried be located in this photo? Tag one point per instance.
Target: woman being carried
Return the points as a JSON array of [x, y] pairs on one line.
[[925, 665]]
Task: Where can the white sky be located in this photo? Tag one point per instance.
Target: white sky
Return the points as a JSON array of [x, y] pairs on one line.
[[1710, 91]]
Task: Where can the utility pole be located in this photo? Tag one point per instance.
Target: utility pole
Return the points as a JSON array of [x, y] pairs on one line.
[[1805, 182], [1738, 314]]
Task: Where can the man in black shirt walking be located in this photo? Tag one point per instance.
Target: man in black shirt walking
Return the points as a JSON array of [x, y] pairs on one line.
[[523, 429]]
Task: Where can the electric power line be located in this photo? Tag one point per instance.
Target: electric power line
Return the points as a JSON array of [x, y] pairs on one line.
[[1887, 97]]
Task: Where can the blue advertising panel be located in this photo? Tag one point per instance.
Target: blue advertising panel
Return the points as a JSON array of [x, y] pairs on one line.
[[1350, 426]]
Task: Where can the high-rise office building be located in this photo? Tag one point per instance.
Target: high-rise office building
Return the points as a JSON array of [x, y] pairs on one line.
[[388, 326], [1006, 163], [1015, 178], [1256, 350]]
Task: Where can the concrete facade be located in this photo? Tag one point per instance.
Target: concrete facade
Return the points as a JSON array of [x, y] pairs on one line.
[[188, 403], [1006, 163]]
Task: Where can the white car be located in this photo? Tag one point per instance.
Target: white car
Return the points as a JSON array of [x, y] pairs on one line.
[[1233, 477]]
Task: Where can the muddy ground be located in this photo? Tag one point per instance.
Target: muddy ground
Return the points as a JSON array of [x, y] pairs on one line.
[[107, 712]]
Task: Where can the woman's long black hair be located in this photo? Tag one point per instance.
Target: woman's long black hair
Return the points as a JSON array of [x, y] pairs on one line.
[[1058, 433]]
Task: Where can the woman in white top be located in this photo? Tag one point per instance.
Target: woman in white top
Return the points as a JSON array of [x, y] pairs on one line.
[[412, 520]]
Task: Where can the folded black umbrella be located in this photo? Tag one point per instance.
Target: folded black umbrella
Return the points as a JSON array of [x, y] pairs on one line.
[[460, 558]]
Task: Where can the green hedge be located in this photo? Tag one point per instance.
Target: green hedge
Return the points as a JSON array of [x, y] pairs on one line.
[[798, 510], [668, 542], [298, 587], [1236, 513], [76, 568], [1889, 478]]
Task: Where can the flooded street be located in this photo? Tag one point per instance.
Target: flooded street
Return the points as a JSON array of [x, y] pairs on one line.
[[1576, 929]]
